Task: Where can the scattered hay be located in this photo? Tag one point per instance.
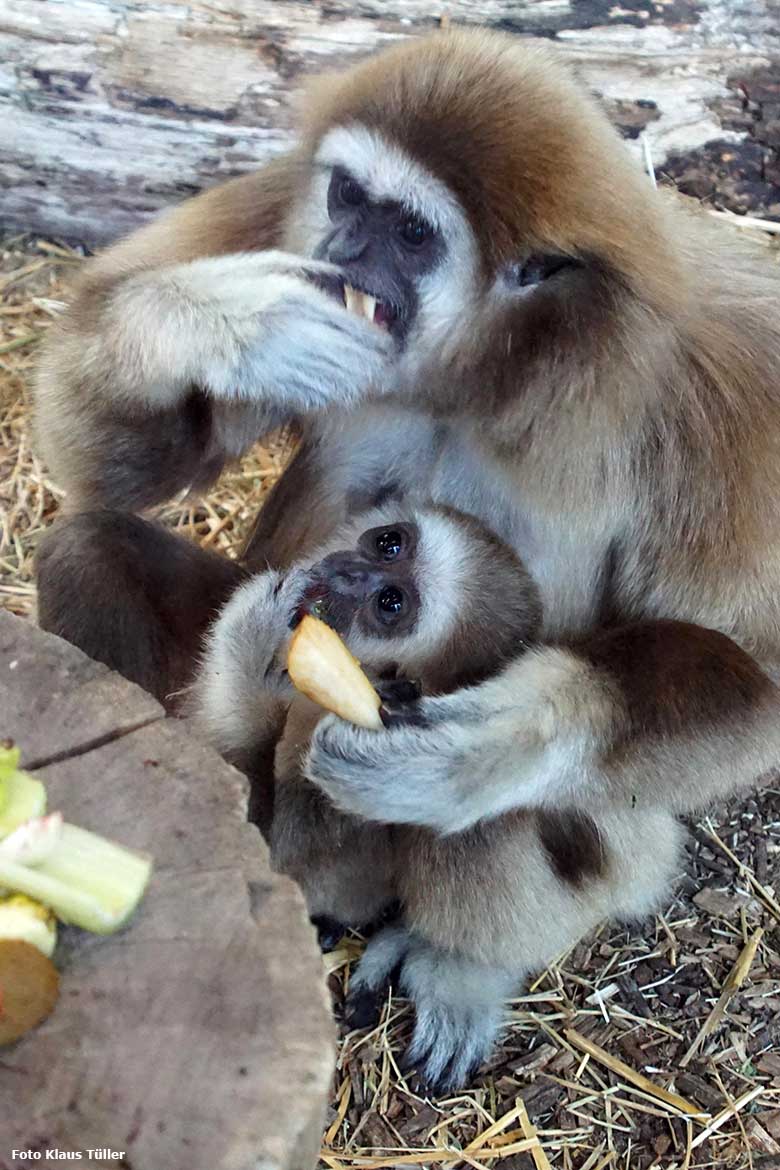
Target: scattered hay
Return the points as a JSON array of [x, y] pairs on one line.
[[655, 1046]]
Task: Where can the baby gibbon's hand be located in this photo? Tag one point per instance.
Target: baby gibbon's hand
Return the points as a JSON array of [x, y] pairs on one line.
[[242, 676]]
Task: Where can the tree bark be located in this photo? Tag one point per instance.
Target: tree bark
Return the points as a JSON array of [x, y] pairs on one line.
[[200, 1034], [110, 111]]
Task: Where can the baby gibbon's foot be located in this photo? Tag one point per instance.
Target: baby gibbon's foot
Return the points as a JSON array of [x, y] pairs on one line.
[[363, 1006], [374, 974], [458, 1005]]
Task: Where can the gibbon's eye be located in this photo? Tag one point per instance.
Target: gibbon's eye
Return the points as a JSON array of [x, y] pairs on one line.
[[390, 602], [350, 192], [414, 231], [540, 266], [388, 544]]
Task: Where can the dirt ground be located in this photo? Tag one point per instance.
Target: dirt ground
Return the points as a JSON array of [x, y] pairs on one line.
[[652, 1045]]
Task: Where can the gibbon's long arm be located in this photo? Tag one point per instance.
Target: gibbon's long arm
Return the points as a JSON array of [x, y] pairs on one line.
[[188, 340], [662, 715], [133, 595]]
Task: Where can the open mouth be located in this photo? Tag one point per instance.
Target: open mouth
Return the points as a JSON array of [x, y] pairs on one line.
[[316, 601], [366, 305]]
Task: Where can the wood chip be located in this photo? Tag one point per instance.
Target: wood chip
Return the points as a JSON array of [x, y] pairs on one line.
[[725, 1114], [759, 1138]]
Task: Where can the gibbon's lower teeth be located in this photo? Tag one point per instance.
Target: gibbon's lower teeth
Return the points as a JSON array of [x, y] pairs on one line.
[[359, 302]]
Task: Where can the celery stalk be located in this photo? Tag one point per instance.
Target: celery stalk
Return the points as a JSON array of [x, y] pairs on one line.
[[85, 879], [9, 762], [21, 795]]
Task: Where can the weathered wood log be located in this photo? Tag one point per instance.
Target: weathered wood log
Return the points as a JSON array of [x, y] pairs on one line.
[[110, 112], [199, 1035]]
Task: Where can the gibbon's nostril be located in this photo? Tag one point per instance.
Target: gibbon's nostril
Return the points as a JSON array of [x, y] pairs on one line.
[[347, 575], [354, 576], [346, 247]]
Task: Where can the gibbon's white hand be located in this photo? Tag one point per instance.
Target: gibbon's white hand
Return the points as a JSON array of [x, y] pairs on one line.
[[256, 327], [469, 755], [242, 676]]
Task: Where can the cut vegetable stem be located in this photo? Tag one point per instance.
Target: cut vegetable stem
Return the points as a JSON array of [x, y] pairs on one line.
[[21, 797], [86, 880]]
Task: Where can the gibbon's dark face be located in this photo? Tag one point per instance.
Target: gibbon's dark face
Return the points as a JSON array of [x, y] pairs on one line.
[[383, 251], [370, 589]]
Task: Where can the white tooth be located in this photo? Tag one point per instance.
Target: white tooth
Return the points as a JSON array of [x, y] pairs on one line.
[[369, 304], [352, 299]]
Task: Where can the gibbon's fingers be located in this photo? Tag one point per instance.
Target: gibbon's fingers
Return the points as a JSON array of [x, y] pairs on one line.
[[242, 675], [254, 326], [201, 359], [444, 774]]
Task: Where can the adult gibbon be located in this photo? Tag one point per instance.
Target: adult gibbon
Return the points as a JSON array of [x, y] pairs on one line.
[[469, 294]]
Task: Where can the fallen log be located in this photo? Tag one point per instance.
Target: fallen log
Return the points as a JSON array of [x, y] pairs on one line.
[[110, 112]]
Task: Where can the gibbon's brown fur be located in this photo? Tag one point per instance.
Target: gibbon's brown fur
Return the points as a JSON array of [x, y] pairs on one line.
[[669, 365], [682, 337], [586, 367]]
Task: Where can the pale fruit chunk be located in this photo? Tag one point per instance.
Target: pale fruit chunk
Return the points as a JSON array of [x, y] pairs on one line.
[[29, 987], [321, 667], [28, 921]]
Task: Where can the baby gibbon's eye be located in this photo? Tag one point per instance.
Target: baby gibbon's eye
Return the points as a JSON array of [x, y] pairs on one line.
[[390, 602], [388, 544]]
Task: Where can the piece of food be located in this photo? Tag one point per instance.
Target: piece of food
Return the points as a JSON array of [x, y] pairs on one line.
[[33, 840], [322, 668], [87, 880], [21, 795], [29, 986], [27, 921]]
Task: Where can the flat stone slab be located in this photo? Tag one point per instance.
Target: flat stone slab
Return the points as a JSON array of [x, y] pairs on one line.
[[200, 1036]]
